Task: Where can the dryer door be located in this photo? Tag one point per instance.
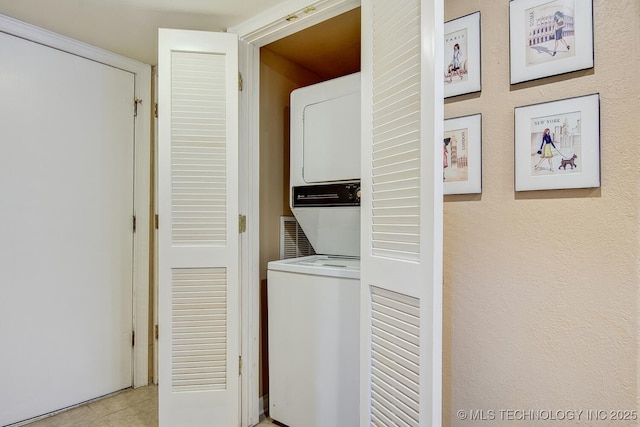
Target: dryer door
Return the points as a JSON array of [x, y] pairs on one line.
[[332, 140]]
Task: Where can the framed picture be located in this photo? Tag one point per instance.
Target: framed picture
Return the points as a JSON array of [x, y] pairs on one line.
[[557, 144], [462, 55], [462, 155], [550, 37]]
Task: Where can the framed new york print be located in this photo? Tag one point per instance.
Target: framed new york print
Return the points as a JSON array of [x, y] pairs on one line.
[[549, 37], [557, 144]]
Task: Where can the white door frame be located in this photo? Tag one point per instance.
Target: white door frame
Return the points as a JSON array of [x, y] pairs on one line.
[[254, 34], [142, 177]]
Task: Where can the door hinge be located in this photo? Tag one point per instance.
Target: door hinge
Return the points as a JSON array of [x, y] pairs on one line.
[[133, 338], [242, 223], [155, 110], [135, 106], [240, 82], [240, 365], [134, 223], [156, 222], [156, 332]]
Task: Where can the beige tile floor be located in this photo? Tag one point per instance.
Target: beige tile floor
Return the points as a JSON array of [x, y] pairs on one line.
[[129, 408]]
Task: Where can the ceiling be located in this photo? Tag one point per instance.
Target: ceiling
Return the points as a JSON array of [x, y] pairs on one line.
[[130, 27], [329, 49]]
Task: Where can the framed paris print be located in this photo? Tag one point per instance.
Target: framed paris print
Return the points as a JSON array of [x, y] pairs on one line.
[[462, 55], [462, 155], [557, 144], [549, 37]]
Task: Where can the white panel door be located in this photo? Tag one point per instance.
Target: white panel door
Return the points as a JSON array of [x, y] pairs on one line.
[[401, 251], [198, 270], [66, 237]]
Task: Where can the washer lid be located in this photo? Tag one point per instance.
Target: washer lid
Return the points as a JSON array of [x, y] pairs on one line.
[[320, 265]]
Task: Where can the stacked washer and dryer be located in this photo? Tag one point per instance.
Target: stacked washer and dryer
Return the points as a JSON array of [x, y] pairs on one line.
[[314, 301]]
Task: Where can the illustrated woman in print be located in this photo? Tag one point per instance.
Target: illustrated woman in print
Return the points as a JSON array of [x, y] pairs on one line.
[[558, 20], [545, 150], [456, 62], [445, 162]]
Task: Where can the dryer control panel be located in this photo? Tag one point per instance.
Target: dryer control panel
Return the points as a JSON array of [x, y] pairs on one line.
[[344, 194]]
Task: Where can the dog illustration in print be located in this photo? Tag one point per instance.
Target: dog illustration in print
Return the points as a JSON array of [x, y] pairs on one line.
[[565, 162]]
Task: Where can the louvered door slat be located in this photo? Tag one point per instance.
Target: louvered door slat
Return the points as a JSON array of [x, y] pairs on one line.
[[395, 355], [199, 292], [404, 407], [389, 385], [198, 85], [408, 376], [403, 144], [396, 126], [405, 192]]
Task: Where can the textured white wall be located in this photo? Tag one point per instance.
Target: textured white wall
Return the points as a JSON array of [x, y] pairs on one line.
[[541, 288]]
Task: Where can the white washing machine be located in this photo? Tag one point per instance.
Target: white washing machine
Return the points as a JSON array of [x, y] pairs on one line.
[[314, 341]]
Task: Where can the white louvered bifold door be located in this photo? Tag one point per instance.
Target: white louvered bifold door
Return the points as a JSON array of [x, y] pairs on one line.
[[198, 263], [401, 252]]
